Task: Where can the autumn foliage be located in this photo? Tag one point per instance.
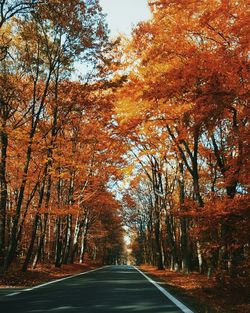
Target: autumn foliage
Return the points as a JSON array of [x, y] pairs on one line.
[[183, 113], [57, 151], [156, 137]]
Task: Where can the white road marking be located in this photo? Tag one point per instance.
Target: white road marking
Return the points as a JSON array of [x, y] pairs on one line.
[[54, 281], [179, 304], [12, 294]]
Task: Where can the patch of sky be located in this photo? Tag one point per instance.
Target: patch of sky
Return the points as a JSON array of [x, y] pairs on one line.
[[121, 16]]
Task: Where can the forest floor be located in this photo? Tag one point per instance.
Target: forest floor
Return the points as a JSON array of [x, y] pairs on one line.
[[15, 278], [205, 295]]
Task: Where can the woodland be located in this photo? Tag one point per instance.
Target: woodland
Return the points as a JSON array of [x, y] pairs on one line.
[[153, 140]]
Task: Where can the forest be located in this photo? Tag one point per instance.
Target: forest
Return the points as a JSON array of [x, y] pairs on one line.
[[58, 151], [149, 137]]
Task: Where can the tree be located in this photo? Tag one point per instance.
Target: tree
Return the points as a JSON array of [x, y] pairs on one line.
[[181, 91], [44, 44]]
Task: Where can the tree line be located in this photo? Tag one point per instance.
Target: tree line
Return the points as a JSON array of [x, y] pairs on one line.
[[155, 137], [56, 137], [184, 115]]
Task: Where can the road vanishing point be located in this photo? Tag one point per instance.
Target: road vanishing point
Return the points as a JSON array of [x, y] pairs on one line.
[[105, 290]]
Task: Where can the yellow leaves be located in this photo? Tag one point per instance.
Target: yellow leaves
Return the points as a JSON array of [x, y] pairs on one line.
[[127, 109], [5, 40], [127, 170]]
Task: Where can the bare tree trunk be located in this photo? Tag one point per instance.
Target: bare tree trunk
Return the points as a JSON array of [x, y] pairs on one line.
[[74, 247], [58, 231], [199, 256], [3, 194], [84, 239], [36, 222], [68, 231], [157, 213], [185, 262], [158, 244], [40, 241], [33, 238], [67, 240], [58, 252], [184, 226], [172, 244]]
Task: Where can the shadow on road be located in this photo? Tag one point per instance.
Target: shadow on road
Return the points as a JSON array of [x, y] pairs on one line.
[[112, 289]]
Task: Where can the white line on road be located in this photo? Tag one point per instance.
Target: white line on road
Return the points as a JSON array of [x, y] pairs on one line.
[[54, 281], [179, 304], [12, 294]]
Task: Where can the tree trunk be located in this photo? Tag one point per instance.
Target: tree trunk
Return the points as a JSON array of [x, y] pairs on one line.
[[195, 172], [185, 262], [33, 238], [40, 242], [36, 222], [58, 252], [67, 240], [172, 244], [3, 192], [74, 247], [68, 231], [84, 239], [160, 265], [14, 231], [46, 215], [199, 256]]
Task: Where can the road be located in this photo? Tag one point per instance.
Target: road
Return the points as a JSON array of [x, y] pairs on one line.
[[110, 289]]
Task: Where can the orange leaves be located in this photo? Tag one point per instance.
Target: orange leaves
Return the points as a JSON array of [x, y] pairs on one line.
[[186, 73], [182, 113], [225, 207]]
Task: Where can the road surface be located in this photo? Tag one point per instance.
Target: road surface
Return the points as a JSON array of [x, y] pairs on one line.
[[110, 289]]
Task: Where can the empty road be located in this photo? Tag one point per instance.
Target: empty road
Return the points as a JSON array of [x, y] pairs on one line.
[[110, 289]]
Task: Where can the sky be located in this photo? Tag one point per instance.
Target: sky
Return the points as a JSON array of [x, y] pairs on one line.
[[122, 15]]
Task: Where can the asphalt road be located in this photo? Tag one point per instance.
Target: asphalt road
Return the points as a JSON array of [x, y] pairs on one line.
[[111, 289]]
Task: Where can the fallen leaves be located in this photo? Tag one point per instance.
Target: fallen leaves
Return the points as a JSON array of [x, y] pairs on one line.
[[203, 294], [43, 273]]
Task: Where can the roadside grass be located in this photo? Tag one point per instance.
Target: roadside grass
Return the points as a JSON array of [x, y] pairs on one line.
[[205, 295]]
